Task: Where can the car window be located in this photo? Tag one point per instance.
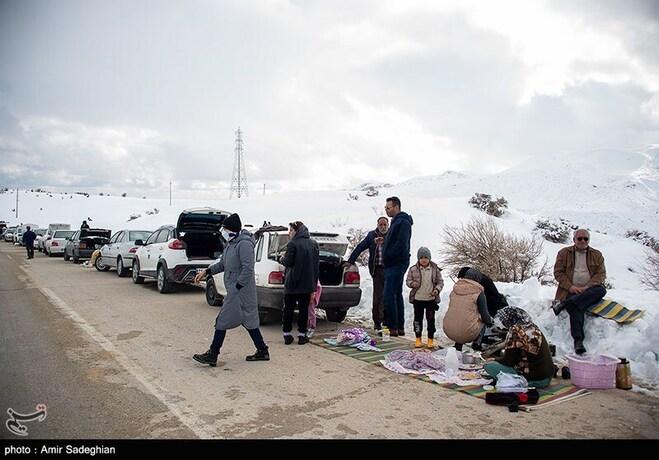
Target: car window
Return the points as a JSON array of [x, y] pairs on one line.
[[63, 233], [259, 247], [163, 237], [152, 238], [115, 237], [277, 245], [137, 235]]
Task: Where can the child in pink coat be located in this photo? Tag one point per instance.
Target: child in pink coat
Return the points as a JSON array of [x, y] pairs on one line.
[[313, 303]]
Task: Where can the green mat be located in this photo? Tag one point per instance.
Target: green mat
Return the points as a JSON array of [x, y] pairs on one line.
[[558, 391], [609, 309]]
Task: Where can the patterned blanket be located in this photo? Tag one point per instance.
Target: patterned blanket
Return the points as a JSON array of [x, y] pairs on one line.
[[559, 391], [612, 310]]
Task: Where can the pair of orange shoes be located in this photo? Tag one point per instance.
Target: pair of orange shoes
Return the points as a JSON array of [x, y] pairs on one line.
[[419, 343]]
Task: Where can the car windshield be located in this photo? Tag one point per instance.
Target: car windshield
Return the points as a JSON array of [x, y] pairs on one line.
[[63, 233], [134, 236]]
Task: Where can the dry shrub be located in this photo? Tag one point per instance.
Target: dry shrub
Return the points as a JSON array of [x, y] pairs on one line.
[[504, 257]]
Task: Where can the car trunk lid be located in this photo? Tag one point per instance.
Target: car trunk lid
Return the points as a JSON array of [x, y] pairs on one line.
[[199, 229]]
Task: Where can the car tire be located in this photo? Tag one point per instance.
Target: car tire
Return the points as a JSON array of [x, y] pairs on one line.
[[336, 315], [100, 266], [137, 279], [164, 285], [121, 270], [66, 256], [212, 297], [75, 258]]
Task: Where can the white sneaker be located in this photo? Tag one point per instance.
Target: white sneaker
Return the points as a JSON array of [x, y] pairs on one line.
[[310, 332]]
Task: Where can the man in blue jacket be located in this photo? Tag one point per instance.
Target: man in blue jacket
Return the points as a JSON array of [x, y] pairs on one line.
[[374, 242], [396, 256], [28, 240]]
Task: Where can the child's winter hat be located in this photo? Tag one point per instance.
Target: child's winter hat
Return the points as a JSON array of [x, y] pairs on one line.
[[423, 252]]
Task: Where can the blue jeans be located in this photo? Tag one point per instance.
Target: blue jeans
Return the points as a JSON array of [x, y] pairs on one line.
[[576, 306], [218, 340], [393, 296]]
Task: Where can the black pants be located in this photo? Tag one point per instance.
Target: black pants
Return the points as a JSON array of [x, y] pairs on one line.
[[429, 306], [292, 302], [30, 251], [378, 296], [576, 305], [220, 334]]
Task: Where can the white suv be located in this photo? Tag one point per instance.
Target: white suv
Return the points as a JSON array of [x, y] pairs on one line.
[[174, 255], [341, 289]]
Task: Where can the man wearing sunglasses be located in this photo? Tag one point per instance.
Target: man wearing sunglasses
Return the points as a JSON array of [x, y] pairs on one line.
[[580, 273]]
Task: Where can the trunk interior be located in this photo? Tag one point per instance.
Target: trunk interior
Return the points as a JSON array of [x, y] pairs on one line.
[[330, 271], [202, 245], [94, 242]]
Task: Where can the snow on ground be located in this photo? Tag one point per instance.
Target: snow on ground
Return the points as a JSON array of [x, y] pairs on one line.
[[607, 191]]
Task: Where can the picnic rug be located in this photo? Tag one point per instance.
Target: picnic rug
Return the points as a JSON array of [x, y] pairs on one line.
[[609, 309], [559, 391]]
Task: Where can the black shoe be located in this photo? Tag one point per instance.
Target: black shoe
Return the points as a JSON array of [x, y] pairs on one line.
[[288, 339], [401, 332], [558, 307], [206, 358], [301, 340], [578, 347], [476, 346], [260, 355], [377, 327]]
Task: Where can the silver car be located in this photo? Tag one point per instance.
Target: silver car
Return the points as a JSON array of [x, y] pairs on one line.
[[119, 252]]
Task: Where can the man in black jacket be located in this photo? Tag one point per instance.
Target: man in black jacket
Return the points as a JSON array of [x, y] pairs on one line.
[[28, 240], [302, 262], [396, 255], [374, 242]]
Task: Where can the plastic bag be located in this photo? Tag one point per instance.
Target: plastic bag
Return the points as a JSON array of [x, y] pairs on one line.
[[511, 383]]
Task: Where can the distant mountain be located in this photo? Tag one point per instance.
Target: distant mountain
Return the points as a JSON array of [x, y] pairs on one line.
[[606, 190]]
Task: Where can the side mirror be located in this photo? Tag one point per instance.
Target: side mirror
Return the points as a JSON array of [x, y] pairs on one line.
[[139, 243]]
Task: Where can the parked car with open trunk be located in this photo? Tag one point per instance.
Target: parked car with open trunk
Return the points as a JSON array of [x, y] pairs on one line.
[[340, 285], [84, 242], [175, 254]]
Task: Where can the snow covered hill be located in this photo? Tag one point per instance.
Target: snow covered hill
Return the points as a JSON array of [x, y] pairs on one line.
[[607, 191]]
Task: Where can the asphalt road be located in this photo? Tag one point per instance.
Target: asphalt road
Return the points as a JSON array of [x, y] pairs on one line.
[[111, 359]]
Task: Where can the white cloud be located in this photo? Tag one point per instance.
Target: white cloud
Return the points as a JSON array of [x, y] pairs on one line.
[[131, 94]]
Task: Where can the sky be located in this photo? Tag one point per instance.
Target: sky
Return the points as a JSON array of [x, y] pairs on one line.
[[124, 96]]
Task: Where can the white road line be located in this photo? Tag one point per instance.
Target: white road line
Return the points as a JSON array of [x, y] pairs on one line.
[[10, 257], [186, 417]]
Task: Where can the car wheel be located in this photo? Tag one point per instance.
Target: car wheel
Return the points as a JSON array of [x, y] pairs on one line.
[[75, 258], [336, 314], [212, 297], [121, 270], [164, 285], [100, 266], [66, 256], [137, 279]]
